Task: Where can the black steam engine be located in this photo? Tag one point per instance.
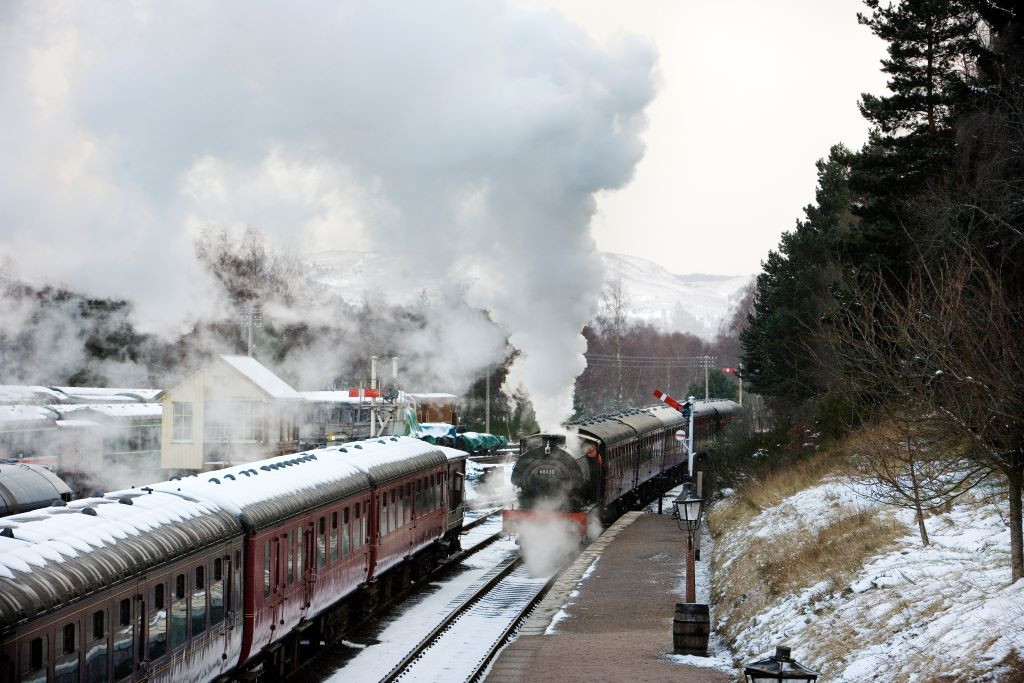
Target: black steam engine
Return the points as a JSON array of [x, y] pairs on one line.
[[604, 465]]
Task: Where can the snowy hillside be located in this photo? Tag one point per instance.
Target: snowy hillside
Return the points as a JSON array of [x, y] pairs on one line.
[[686, 303], [904, 612]]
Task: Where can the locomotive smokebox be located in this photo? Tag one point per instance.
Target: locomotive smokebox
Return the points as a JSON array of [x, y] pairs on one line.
[[548, 471]]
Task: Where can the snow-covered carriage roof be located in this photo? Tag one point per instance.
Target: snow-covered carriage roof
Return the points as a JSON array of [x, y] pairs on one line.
[[716, 406], [669, 417], [264, 492], [54, 555], [393, 457]]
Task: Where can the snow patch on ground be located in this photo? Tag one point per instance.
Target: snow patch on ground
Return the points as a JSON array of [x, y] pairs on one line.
[[945, 608], [719, 662], [563, 613]]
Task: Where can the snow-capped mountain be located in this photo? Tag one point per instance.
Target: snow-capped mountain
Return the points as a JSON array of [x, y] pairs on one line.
[[695, 303]]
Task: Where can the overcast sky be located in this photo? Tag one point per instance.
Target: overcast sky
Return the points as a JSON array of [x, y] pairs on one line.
[[751, 94], [434, 130]]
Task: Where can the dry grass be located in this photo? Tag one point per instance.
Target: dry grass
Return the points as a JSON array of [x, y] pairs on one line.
[[764, 492], [766, 568], [773, 567], [1013, 668]]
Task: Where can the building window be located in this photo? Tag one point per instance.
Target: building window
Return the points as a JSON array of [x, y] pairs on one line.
[[235, 421], [249, 423], [182, 421]]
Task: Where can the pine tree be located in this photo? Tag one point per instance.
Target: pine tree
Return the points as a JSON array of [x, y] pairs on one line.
[[794, 290], [912, 139]]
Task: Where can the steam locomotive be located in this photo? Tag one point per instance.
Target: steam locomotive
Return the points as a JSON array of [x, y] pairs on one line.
[[602, 466], [190, 579]]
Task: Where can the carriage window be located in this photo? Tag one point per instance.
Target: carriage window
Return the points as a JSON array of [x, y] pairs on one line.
[[298, 552], [179, 605], [334, 537], [360, 530], [157, 623], [394, 512], [383, 521], [123, 642], [33, 662], [97, 624], [199, 602], [321, 544], [69, 639], [345, 546], [266, 569], [217, 593], [96, 650], [291, 557], [236, 584]]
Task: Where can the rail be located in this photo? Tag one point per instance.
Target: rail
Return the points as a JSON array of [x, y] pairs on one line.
[[505, 632]]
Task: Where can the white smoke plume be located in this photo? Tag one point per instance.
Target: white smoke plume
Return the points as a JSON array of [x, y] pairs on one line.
[[467, 138]]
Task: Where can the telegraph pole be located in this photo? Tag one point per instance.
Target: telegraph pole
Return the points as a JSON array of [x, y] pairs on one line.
[[373, 385], [487, 401], [707, 387], [254, 318]]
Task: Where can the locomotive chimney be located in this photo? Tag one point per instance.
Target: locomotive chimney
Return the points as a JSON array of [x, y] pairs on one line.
[[552, 441]]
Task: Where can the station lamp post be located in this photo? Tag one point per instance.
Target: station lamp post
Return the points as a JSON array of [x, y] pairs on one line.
[[778, 667], [689, 509]]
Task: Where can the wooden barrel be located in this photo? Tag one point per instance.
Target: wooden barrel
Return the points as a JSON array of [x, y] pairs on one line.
[[690, 629]]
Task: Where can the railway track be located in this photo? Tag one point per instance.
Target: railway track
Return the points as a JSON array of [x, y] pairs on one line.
[[465, 642]]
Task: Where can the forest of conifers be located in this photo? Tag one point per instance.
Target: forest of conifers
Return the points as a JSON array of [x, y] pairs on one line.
[[900, 293]]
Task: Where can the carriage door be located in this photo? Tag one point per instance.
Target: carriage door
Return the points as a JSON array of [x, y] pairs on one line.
[[276, 594], [307, 568], [227, 597]]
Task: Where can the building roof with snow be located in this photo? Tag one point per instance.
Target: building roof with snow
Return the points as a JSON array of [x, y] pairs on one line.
[[10, 415], [106, 394], [135, 411], [258, 374], [27, 395]]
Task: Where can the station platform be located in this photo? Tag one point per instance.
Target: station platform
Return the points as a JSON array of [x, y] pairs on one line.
[[609, 615]]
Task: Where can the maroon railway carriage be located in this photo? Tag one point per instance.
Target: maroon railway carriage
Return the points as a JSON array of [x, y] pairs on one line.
[[320, 525], [184, 580], [137, 585]]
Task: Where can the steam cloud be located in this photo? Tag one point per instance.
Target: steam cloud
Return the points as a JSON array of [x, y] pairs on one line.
[[465, 138]]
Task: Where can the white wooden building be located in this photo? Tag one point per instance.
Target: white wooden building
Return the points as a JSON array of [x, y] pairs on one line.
[[232, 411]]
